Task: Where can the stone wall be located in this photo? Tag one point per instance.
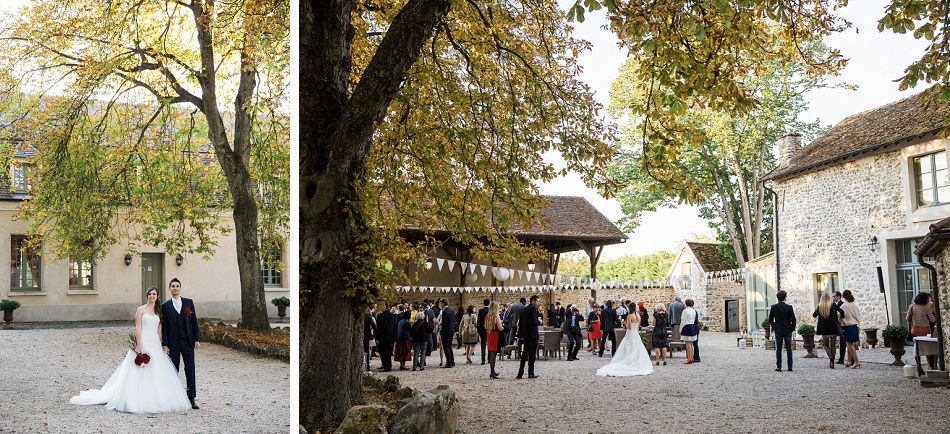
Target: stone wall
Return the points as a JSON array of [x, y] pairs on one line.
[[943, 284], [715, 308], [825, 221]]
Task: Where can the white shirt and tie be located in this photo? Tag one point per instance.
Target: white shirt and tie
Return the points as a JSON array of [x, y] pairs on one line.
[[176, 301]]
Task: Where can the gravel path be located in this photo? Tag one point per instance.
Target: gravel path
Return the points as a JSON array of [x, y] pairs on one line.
[[732, 390], [42, 369]]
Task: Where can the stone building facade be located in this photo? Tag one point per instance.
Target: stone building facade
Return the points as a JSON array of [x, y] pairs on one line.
[[720, 300], [857, 200]]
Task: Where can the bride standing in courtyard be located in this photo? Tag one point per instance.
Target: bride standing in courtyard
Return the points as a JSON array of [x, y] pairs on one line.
[[631, 357], [152, 387]]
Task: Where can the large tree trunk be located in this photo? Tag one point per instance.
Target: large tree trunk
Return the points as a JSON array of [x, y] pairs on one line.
[[234, 158], [335, 135]]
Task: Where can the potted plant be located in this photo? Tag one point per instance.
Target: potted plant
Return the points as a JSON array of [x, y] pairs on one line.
[[808, 338], [870, 334], [8, 306], [281, 303], [894, 336], [767, 327]]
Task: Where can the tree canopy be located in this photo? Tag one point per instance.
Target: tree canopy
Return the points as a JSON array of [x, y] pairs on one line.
[[149, 118]]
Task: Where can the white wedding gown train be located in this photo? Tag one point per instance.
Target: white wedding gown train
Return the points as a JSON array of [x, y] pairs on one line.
[[631, 358], [153, 388]]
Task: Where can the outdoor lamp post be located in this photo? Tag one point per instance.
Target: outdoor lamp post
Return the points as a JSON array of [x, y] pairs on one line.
[[531, 265], [872, 243]]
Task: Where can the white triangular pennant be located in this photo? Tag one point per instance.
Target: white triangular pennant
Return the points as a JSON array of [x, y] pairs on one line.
[[484, 269], [451, 265]]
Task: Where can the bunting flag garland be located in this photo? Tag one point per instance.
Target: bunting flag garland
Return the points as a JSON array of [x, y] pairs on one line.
[[438, 264], [484, 269]]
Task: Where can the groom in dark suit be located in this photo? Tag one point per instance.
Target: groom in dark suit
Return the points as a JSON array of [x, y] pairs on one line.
[[608, 322], [180, 334]]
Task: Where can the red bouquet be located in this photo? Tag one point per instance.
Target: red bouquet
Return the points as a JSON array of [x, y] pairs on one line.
[[142, 359]]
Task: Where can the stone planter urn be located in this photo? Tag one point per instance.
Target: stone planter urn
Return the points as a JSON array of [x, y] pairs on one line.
[[897, 350], [870, 335], [808, 341], [281, 311], [768, 332], [7, 316]]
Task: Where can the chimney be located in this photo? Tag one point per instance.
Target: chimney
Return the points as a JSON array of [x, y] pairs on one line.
[[788, 147]]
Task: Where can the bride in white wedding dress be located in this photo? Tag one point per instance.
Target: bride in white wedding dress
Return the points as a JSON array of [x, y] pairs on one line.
[[632, 357], [151, 388]]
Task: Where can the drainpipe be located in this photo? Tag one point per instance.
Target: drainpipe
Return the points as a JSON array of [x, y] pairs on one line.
[[778, 280], [941, 364]]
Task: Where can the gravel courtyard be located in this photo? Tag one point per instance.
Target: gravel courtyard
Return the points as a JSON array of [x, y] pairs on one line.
[[732, 390], [42, 369]]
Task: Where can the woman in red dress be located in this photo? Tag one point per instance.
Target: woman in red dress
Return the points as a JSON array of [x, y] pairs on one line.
[[494, 326], [594, 334]]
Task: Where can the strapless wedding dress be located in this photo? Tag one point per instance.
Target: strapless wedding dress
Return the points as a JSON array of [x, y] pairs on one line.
[[153, 388], [631, 358]]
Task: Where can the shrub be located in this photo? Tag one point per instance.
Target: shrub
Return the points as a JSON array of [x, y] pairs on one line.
[[765, 323], [281, 301], [9, 305], [806, 329], [894, 332]]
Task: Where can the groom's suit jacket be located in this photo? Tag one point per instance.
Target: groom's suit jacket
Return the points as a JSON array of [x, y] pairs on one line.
[[180, 324]]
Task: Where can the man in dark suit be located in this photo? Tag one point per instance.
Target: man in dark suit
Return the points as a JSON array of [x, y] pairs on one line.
[[608, 321], [181, 335], [561, 313], [842, 345], [573, 324], [480, 325], [782, 319], [447, 332], [369, 330], [529, 335], [386, 322]]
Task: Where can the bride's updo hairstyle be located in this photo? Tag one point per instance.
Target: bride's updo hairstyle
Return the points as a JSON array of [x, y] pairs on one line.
[[158, 300]]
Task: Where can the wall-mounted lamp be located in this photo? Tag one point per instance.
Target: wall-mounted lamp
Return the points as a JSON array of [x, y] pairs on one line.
[[531, 265], [872, 243], [128, 259], [428, 263], [179, 259]]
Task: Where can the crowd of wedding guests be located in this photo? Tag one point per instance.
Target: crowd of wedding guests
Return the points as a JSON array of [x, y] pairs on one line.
[[412, 332]]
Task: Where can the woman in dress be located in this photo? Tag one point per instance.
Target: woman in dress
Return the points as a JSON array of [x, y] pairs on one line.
[[850, 322], [419, 333], [659, 332], [689, 330], [631, 357], [469, 333], [403, 351], [153, 387], [642, 313], [437, 332], [920, 316], [828, 314], [494, 327], [594, 333]]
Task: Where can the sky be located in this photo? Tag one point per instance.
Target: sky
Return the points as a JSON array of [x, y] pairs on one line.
[[875, 60]]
